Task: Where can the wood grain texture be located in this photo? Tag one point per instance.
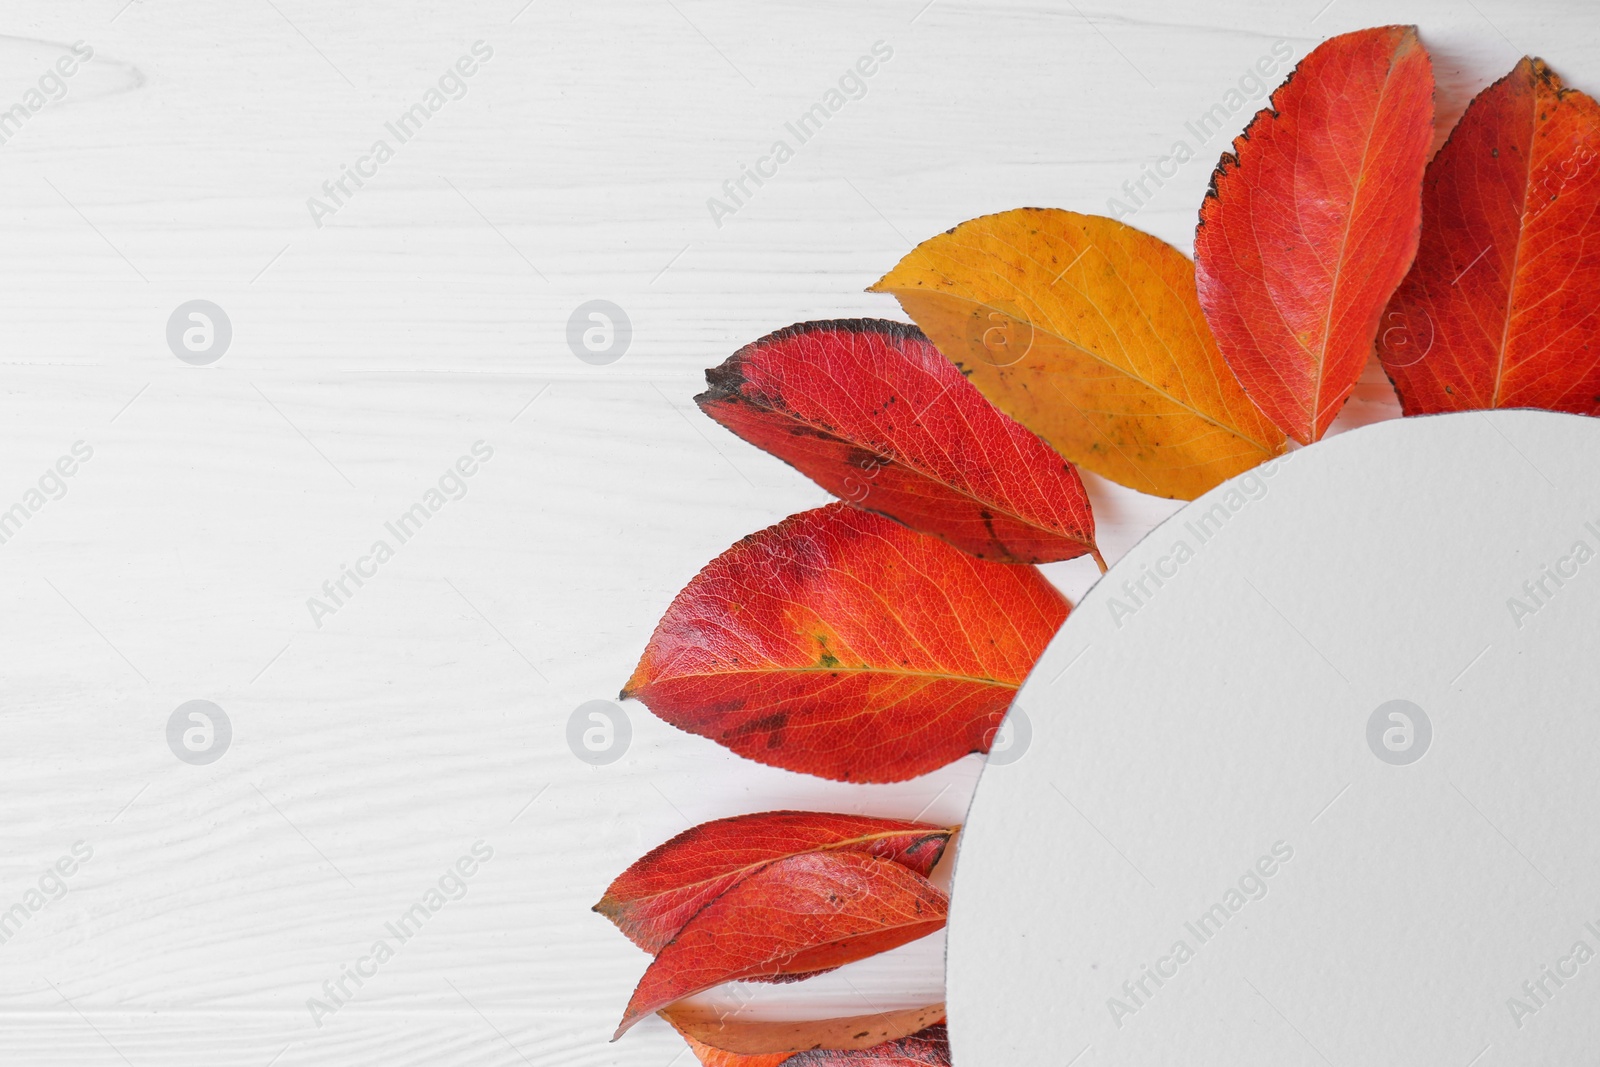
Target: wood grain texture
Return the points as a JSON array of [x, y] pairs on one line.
[[430, 711]]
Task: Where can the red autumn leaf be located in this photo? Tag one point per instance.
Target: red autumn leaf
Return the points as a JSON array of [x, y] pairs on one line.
[[806, 913], [1499, 310], [929, 1047], [926, 1048], [1312, 221], [842, 644], [870, 411], [652, 899]]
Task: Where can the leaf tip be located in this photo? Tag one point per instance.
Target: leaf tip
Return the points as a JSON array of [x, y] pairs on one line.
[[724, 384], [630, 1016]]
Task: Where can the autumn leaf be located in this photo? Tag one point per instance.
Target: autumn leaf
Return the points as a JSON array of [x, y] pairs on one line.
[[719, 1058], [1089, 333], [870, 411], [926, 1048], [716, 1057], [929, 1047], [841, 644], [653, 898], [797, 915], [719, 1031], [1312, 221], [1500, 309]]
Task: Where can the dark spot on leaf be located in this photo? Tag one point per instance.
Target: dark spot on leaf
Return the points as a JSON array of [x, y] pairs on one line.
[[773, 724]]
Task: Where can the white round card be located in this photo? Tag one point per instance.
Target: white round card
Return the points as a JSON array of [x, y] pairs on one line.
[[1313, 775]]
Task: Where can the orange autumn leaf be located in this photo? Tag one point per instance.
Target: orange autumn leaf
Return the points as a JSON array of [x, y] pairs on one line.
[[1499, 310], [720, 1058], [795, 916], [841, 644], [719, 1032], [652, 900], [710, 1056], [1312, 220], [1089, 333]]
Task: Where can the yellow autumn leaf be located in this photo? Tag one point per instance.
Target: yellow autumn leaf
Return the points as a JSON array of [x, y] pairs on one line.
[[1089, 333]]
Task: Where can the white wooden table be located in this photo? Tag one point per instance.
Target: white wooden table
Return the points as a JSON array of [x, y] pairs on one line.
[[427, 313]]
